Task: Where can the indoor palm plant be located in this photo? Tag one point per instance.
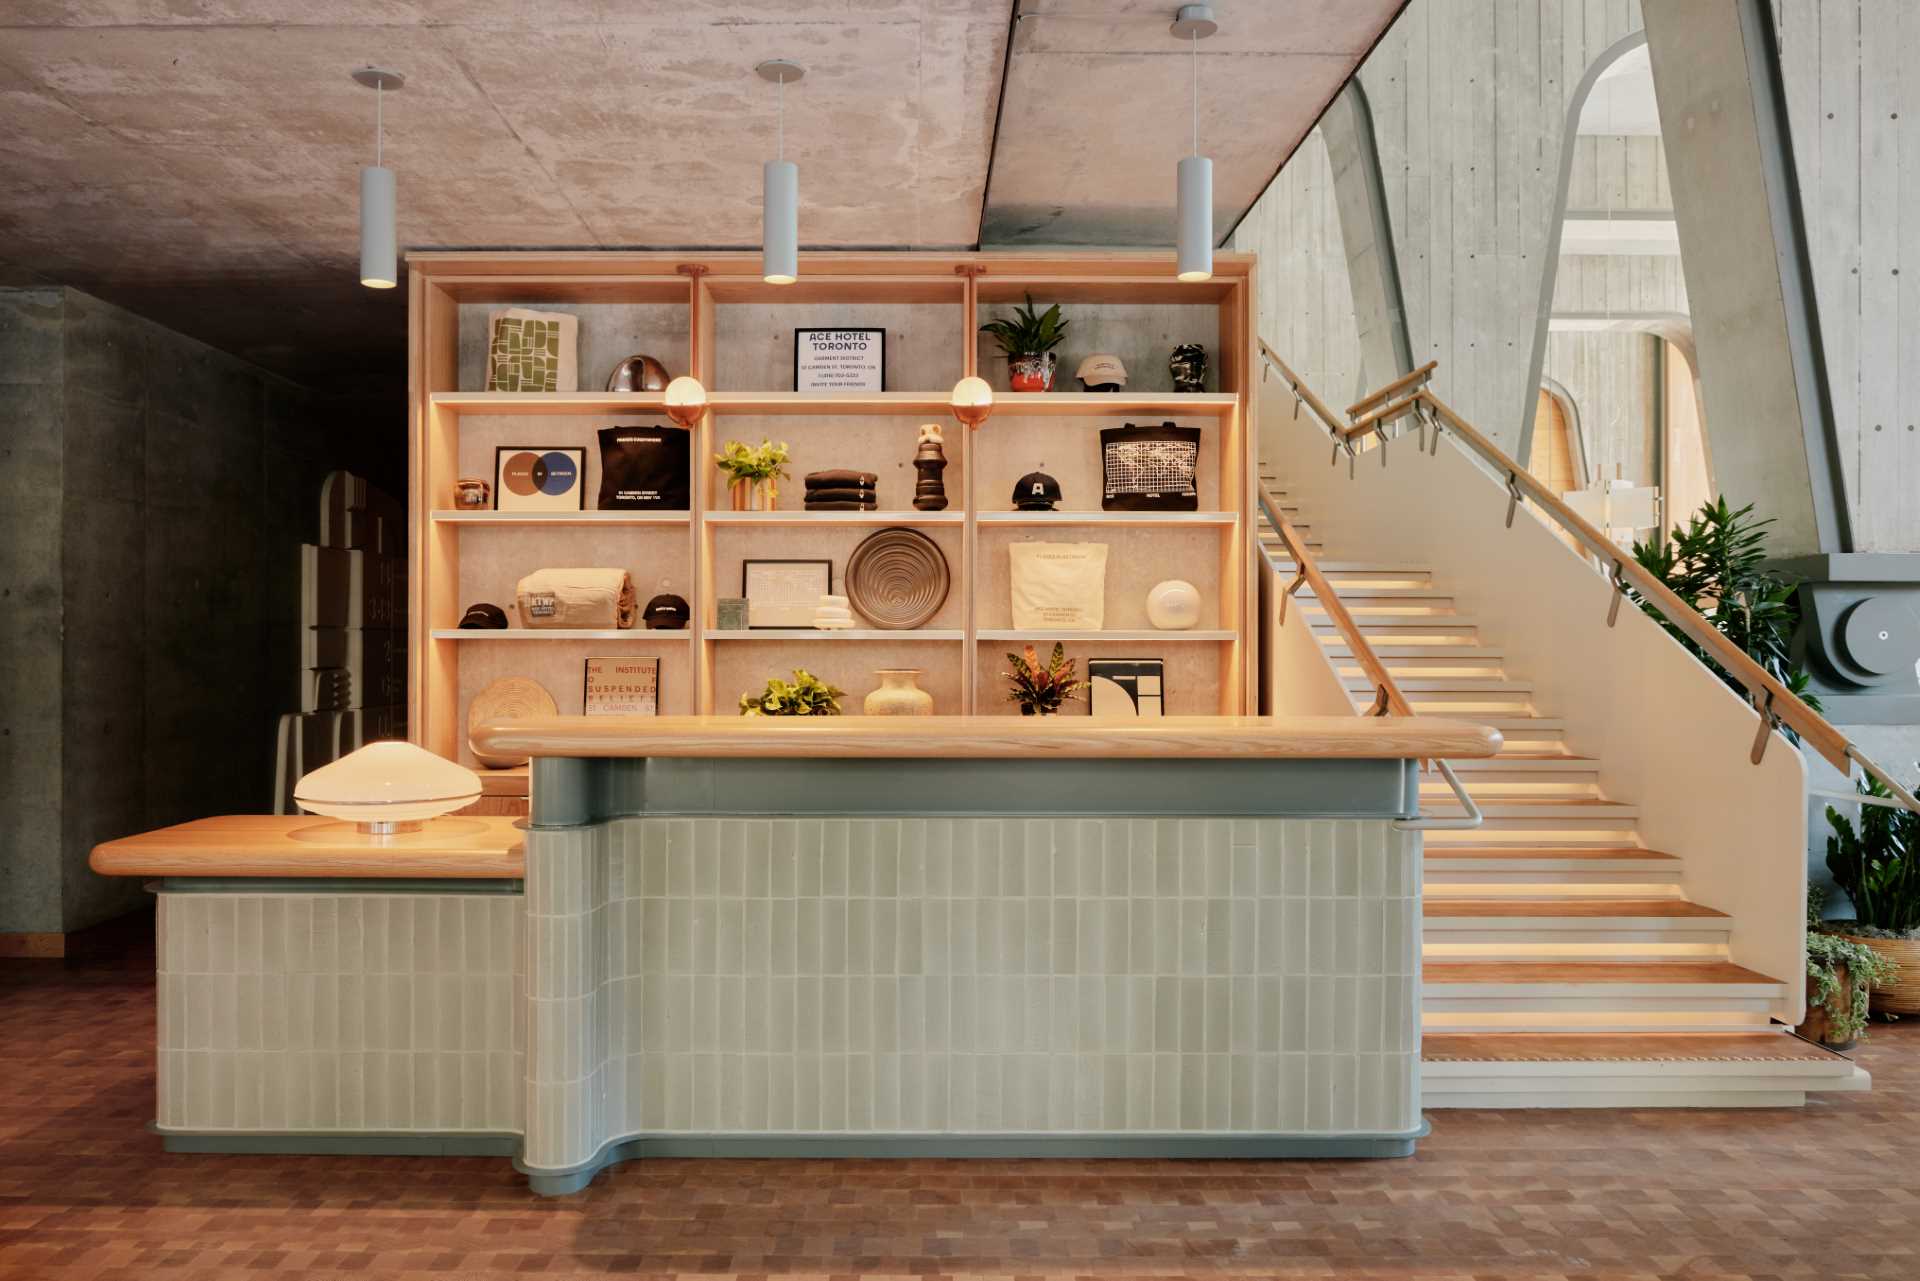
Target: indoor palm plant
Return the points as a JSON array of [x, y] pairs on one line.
[[1716, 563], [1040, 690], [753, 473], [805, 695], [1877, 863], [1028, 341]]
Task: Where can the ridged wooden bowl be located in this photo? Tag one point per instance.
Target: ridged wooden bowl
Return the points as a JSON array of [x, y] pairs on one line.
[[897, 579], [511, 698]]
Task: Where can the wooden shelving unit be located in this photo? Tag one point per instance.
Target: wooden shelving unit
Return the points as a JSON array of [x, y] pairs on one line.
[[710, 315]]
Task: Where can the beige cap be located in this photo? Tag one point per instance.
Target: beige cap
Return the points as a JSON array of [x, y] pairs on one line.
[[1102, 367]]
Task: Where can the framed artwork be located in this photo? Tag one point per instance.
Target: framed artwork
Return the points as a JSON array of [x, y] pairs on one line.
[[784, 593], [1128, 687], [839, 360], [539, 478], [623, 687]]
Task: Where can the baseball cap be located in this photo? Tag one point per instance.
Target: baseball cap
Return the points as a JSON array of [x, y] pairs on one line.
[[667, 612], [1102, 369], [1036, 492], [484, 616]]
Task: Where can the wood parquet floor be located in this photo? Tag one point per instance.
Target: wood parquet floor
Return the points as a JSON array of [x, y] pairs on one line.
[[86, 1194]]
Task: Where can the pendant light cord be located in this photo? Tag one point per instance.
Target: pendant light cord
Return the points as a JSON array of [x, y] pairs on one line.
[[379, 123], [780, 114], [1193, 40]]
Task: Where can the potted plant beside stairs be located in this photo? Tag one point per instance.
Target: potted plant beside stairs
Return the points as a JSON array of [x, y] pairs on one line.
[[1840, 973], [1877, 864]]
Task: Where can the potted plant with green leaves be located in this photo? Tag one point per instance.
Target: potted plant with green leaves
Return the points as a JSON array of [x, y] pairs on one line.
[[1041, 689], [1028, 340], [1875, 860], [753, 474], [805, 695], [1840, 973]]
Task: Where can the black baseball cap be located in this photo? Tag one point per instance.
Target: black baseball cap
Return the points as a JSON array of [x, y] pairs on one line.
[[1035, 492], [484, 617], [667, 612]]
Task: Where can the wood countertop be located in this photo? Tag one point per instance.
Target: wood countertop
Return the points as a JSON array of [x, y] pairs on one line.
[[991, 738], [302, 845]]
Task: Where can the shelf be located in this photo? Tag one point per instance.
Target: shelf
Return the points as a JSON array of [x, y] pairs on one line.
[[1206, 404], [934, 404], [845, 634], [638, 635], [777, 518], [460, 517], [517, 403], [1107, 518], [1075, 638]]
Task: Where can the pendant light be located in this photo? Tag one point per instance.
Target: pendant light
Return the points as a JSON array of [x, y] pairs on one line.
[[379, 268], [1194, 23], [780, 190]]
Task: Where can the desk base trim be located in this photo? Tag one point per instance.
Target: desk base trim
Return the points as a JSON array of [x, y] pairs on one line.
[[1014, 1146], [328, 1143]]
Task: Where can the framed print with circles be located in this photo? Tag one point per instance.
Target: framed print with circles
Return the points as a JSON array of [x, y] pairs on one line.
[[539, 478]]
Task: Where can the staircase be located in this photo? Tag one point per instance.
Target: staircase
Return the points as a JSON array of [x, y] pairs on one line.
[[1563, 964]]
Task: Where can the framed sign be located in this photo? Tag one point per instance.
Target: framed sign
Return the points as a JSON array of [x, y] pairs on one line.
[[784, 593], [623, 687], [839, 360], [1133, 687], [539, 478]]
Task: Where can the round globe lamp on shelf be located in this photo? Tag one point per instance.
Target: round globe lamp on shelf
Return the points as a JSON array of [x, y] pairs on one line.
[[686, 400], [972, 401], [387, 788]]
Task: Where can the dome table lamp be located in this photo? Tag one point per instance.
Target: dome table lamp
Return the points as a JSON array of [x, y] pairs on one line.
[[686, 400], [972, 401], [387, 788]]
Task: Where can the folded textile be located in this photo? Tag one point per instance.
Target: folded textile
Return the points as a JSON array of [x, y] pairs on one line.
[[842, 506], [841, 479], [841, 496]]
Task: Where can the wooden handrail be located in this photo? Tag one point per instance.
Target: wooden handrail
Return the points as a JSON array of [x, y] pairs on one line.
[[1303, 392], [1368, 401], [1383, 682], [1383, 415]]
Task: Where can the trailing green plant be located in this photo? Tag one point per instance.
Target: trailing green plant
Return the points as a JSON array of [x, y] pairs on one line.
[[1716, 563], [805, 695], [1043, 689], [764, 461], [1028, 333], [1827, 956], [1877, 863]]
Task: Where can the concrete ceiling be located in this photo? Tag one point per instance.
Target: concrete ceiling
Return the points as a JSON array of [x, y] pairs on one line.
[[195, 160]]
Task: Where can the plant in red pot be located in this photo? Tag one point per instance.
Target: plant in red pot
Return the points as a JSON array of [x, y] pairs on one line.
[[1028, 339]]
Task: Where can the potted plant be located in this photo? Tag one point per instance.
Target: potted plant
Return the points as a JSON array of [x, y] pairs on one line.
[[1028, 341], [1840, 973], [805, 695], [1041, 690], [753, 473], [1877, 864]]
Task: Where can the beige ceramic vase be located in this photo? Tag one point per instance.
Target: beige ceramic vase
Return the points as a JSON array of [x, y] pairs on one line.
[[899, 694]]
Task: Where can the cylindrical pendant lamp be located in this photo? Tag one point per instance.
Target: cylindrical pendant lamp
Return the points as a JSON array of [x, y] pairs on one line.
[[379, 267], [1194, 221], [780, 222], [780, 189], [1196, 218], [379, 240]]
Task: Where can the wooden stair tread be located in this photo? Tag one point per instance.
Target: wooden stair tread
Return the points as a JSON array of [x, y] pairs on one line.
[[1622, 1047], [1568, 907], [1531, 853], [1576, 972]]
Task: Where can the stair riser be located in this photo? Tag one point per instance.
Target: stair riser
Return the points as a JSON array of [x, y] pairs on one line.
[[1559, 951], [1633, 934], [1596, 1019], [1499, 880]]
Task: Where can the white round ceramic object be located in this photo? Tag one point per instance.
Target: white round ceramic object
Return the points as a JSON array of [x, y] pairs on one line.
[[387, 782], [1173, 606]]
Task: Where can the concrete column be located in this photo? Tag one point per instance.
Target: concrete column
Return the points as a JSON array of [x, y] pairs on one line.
[[1749, 277], [1367, 237]]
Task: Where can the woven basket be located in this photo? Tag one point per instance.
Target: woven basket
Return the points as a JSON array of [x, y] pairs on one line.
[[1901, 995]]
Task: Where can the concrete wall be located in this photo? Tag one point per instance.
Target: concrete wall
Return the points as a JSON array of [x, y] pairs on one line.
[[1853, 106], [175, 484]]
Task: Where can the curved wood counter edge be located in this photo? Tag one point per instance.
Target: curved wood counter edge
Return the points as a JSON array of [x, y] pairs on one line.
[[991, 738], [477, 847]]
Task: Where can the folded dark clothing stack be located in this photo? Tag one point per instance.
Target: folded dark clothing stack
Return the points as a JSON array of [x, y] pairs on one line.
[[844, 491]]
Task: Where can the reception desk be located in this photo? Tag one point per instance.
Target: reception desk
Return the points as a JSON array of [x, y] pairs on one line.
[[835, 937]]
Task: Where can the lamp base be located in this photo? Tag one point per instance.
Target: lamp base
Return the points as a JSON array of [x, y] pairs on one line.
[[389, 827]]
